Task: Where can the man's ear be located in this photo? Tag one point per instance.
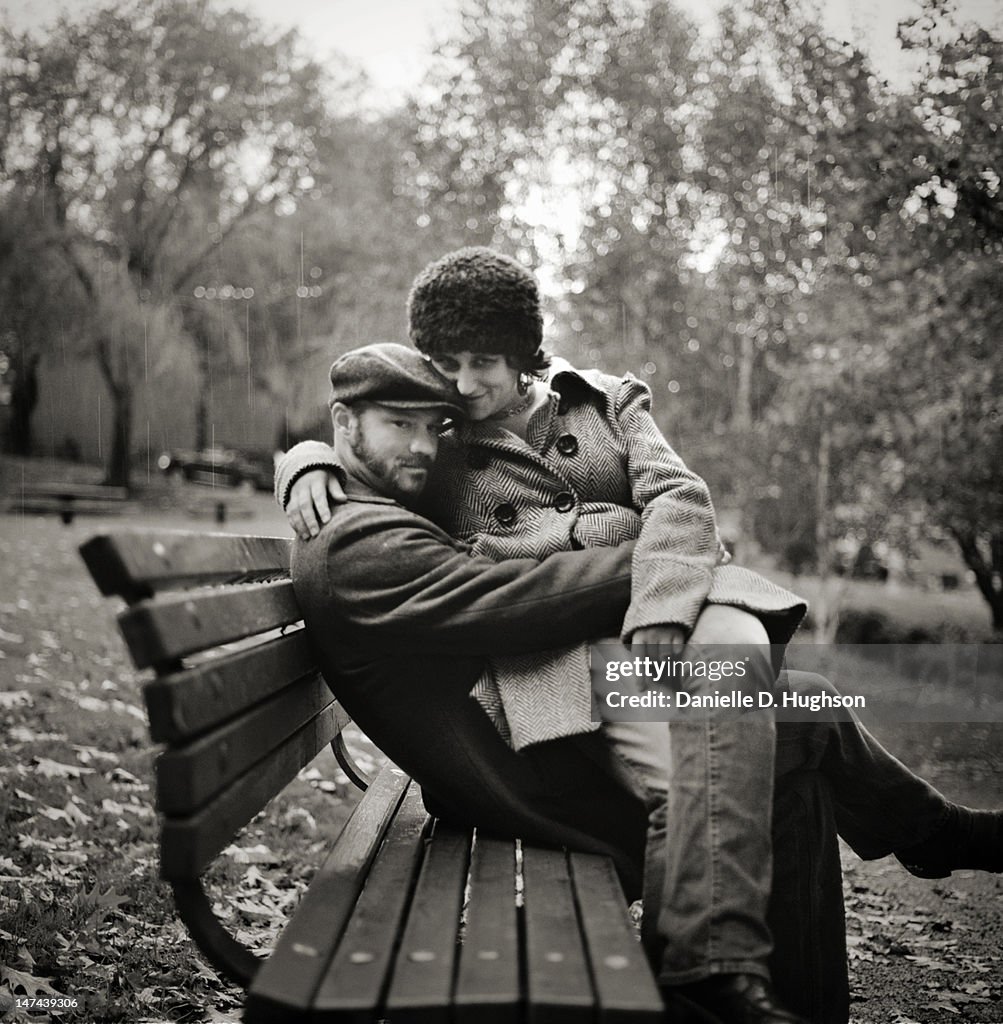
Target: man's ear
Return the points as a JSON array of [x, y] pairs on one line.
[[344, 421]]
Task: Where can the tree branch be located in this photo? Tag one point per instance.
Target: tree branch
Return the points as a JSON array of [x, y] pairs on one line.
[[253, 205]]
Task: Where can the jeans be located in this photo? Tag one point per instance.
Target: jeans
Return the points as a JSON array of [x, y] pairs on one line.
[[710, 785]]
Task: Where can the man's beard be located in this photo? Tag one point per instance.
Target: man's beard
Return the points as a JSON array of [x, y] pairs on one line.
[[387, 470]]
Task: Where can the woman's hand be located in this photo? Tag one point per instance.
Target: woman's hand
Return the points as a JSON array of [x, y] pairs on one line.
[[310, 499], [671, 639]]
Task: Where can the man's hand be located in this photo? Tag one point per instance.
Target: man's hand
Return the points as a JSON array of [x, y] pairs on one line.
[[671, 637], [310, 500]]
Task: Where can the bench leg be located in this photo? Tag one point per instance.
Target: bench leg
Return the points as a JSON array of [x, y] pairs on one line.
[[221, 949], [806, 914]]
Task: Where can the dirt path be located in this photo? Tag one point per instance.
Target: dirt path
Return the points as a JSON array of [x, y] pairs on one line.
[[922, 951]]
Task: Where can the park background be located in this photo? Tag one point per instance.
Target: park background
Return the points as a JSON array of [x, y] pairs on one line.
[[785, 219]]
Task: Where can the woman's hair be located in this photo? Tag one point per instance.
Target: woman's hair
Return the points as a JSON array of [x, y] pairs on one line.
[[537, 364], [478, 300]]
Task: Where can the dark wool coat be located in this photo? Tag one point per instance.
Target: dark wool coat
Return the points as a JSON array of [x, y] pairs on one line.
[[403, 617]]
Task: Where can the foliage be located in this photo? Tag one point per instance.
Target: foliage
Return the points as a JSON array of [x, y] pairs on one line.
[[143, 136]]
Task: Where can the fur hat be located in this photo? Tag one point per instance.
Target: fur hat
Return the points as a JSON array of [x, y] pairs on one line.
[[475, 300], [390, 374]]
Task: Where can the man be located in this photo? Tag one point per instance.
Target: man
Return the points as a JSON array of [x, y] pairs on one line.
[[403, 617]]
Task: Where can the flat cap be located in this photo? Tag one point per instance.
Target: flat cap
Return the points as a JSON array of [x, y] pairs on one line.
[[391, 374]]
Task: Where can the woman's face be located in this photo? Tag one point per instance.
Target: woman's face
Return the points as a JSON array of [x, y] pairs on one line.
[[484, 380]]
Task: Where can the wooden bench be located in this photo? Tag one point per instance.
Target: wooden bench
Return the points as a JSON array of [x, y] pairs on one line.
[[68, 499], [407, 919]]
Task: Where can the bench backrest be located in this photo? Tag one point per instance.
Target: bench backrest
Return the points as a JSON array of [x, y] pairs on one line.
[[237, 698]]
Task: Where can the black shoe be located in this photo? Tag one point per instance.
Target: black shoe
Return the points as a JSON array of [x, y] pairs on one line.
[[967, 839], [726, 999]]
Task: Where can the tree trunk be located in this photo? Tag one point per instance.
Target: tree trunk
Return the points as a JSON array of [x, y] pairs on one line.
[[204, 405], [827, 606], [118, 467], [23, 399], [741, 417], [120, 460], [988, 570]]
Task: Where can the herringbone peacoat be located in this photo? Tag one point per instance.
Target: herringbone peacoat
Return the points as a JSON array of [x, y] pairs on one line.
[[593, 471]]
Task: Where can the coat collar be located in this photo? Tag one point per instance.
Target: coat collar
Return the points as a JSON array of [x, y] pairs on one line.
[[567, 381], [568, 387]]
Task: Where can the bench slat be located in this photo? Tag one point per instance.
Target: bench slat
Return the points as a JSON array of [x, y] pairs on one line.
[[161, 630], [72, 491], [289, 978], [136, 564], [625, 989], [487, 984], [422, 984], [353, 985], [182, 705], [190, 776], [558, 987], [189, 844]]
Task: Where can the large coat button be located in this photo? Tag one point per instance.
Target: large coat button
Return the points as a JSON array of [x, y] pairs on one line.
[[567, 444], [505, 514], [564, 501]]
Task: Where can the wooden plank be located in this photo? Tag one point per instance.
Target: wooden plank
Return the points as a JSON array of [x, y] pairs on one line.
[[163, 629], [625, 989], [187, 845], [182, 705], [558, 987], [67, 506], [488, 988], [288, 980], [76, 490], [136, 563], [353, 986], [422, 984], [190, 776]]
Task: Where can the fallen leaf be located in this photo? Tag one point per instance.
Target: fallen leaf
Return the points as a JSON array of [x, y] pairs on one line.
[[32, 986], [127, 778], [57, 770], [259, 854], [88, 754], [22, 734], [15, 698]]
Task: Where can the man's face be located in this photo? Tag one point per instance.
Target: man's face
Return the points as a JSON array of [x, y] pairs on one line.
[[395, 448]]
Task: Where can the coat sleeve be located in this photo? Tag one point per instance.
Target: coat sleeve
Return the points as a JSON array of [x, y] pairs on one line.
[[396, 577], [300, 459], [679, 545]]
